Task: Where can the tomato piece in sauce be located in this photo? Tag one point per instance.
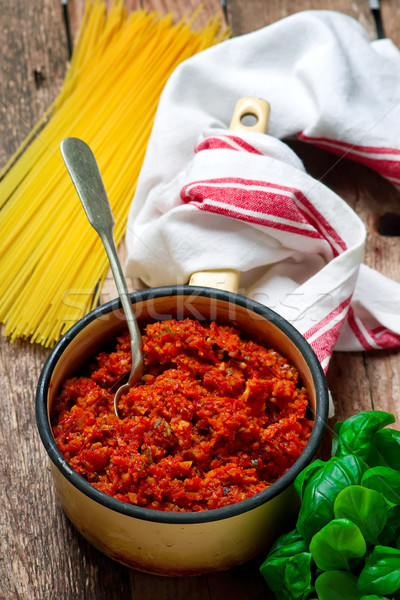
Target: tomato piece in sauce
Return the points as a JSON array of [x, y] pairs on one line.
[[215, 419]]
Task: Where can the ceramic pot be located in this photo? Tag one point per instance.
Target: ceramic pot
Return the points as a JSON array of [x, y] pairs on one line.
[[169, 543]]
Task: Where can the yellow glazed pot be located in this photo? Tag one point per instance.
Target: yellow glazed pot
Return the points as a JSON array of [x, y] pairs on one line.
[[170, 543]]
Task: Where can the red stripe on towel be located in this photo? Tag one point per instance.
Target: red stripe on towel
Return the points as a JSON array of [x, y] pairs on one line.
[[230, 142], [385, 161], [263, 203]]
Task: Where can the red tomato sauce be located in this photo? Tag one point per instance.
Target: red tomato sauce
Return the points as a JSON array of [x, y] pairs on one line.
[[215, 419]]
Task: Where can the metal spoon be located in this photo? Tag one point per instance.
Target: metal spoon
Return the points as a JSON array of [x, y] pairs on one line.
[[85, 174]]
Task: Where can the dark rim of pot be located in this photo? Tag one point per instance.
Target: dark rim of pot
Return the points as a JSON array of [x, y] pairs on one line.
[[184, 517]]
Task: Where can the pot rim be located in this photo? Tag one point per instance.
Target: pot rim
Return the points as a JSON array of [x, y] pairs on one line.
[[181, 518]]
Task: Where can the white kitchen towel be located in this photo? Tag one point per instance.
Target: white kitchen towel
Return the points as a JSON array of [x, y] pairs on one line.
[[210, 198]]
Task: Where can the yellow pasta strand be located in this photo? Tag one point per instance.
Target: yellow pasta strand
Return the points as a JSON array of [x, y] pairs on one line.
[[52, 263]]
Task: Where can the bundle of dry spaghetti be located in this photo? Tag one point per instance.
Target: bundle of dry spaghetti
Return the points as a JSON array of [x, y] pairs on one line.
[[51, 260]]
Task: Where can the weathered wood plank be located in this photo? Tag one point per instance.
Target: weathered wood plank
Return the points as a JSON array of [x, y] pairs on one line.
[[253, 14], [242, 583], [33, 56], [41, 555], [47, 557], [390, 11], [148, 587]]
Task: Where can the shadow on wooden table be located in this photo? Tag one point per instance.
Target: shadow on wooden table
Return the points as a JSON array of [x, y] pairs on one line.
[[115, 581]]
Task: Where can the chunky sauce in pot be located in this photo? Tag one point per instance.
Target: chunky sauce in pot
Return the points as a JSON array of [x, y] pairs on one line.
[[215, 419]]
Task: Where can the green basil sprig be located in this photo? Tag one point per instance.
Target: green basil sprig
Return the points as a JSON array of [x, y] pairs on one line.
[[364, 507], [321, 489], [354, 435], [336, 543], [381, 573], [346, 544]]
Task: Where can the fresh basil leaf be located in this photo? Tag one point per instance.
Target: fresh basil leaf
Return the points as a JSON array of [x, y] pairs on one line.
[[373, 597], [366, 508], [287, 547], [335, 439], [287, 568], [321, 489], [391, 530], [273, 571], [306, 474], [381, 573], [384, 480], [336, 543], [385, 449], [289, 576], [337, 585], [282, 595], [288, 544], [297, 577], [356, 433]]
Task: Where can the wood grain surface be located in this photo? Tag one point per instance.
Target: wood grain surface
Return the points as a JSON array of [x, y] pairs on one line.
[[41, 555]]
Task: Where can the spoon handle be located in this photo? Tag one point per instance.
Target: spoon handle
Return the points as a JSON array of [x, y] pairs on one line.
[[85, 174]]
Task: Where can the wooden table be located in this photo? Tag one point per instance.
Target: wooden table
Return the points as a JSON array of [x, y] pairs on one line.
[[41, 555]]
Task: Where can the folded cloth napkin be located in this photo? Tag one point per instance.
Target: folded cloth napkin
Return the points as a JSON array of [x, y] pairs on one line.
[[211, 198]]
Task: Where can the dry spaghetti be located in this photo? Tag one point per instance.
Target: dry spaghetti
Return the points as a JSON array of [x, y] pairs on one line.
[[50, 259]]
